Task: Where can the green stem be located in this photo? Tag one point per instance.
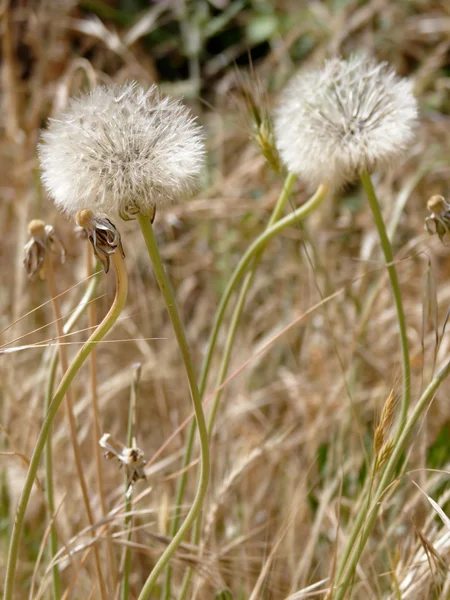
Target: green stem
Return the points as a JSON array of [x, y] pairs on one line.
[[71, 322], [182, 480], [389, 257], [312, 204], [406, 368], [80, 358], [169, 298], [388, 477]]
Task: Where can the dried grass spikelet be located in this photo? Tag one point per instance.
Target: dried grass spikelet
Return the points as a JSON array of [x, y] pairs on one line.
[[349, 117], [121, 150]]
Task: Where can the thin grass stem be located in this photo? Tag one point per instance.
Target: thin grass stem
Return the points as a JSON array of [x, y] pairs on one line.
[[164, 285], [388, 476], [131, 442], [78, 361]]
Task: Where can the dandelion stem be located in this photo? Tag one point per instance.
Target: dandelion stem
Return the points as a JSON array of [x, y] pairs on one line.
[[80, 358], [96, 430], [406, 368], [389, 257], [387, 478], [64, 362], [305, 210], [53, 363], [164, 285]]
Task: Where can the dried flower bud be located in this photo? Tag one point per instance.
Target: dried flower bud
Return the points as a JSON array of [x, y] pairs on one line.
[[351, 116], [103, 235], [440, 217], [43, 238], [132, 458], [121, 150]]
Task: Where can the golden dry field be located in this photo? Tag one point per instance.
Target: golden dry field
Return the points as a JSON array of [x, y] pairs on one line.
[[325, 482]]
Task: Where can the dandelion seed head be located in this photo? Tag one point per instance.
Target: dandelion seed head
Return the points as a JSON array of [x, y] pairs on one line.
[[348, 117], [121, 149]]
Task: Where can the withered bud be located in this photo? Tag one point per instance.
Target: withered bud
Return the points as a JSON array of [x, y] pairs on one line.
[[439, 220], [43, 238], [102, 234], [132, 458]]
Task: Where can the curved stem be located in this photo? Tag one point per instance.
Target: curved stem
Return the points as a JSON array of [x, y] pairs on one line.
[[53, 363], [182, 480], [406, 368], [312, 204], [64, 362], [164, 285], [388, 477], [97, 335]]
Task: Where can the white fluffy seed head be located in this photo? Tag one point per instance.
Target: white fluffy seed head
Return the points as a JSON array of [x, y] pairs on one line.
[[121, 149], [351, 116]]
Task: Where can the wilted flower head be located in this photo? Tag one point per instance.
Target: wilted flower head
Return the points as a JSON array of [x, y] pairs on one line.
[[43, 238], [121, 149], [439, 220], [351, 116], [102, 234]]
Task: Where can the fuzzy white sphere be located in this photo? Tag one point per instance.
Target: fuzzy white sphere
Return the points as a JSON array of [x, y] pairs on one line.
[[121, 149], [348, 117]]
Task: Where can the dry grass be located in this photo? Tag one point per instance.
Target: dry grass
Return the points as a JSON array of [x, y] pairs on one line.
[[296, 425]]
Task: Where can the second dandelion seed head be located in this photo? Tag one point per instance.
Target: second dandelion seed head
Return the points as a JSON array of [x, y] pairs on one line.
[[349, 117], [121, 150]]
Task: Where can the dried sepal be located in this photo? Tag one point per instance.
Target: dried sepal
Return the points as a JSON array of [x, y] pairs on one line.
[[131, 458], [43, 238], [439, 220], [102, 234]]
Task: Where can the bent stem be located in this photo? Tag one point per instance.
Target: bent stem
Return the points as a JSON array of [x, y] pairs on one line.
[[64, 362], [312, 204], [169, 298], [388, 477], [182, 480], [80, 358], [71, 322], [96, 433], [406, 368]]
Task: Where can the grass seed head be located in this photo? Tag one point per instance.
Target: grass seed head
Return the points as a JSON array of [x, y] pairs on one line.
[[348, 117], [121, 150]]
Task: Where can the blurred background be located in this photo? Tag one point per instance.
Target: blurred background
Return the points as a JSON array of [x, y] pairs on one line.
[[296, 423]]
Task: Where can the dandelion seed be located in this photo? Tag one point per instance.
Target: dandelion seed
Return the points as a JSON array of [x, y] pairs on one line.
[[352, 116], [121, 150]]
